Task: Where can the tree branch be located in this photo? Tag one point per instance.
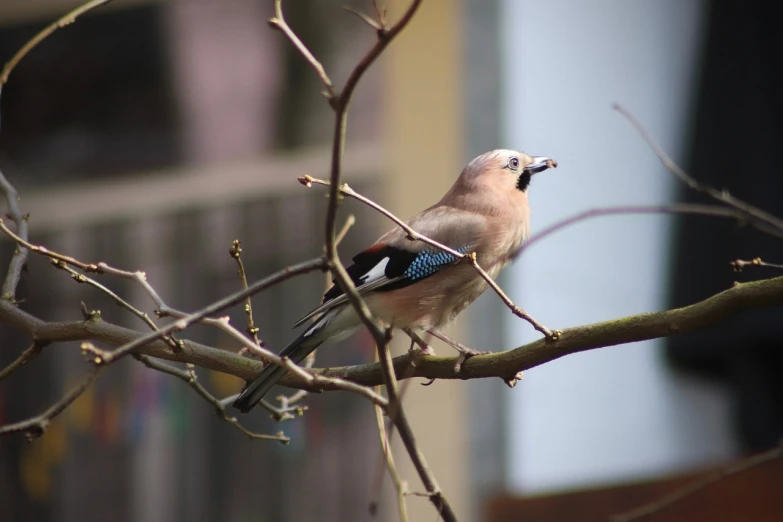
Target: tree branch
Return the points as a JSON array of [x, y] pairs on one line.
[[252, 330], [279, 23], [739, 264], [19, 258], [400, 421], [189, 377], [36, 426], [32, 351], [761, 219], [680, 208], [741, 297], [67, 19], [699, 484]]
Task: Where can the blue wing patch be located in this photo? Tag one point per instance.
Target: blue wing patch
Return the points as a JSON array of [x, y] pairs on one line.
[[382, 268], [427, 263]]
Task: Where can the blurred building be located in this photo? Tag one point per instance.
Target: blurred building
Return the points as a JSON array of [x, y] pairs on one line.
[[152, 134]]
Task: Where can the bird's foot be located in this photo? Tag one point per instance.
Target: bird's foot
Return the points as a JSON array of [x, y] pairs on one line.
[[418, 349], [464, 354]]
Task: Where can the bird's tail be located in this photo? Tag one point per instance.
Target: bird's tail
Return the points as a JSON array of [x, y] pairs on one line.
[[297, 350]]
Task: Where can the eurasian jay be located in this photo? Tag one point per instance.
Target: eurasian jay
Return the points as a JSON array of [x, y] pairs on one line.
[[413, 286]]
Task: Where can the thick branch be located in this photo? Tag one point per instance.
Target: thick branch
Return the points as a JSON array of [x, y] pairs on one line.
[[745, 296]]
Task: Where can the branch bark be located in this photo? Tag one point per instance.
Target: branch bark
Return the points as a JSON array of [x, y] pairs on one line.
[[744, 296]]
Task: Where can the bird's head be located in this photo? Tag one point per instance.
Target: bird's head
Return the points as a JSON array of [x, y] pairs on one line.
[[506, 169]]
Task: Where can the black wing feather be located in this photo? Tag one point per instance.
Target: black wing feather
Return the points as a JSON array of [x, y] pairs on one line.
[[363, 262]]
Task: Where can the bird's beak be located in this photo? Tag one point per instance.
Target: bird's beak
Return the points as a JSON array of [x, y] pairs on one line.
[[540, 164]]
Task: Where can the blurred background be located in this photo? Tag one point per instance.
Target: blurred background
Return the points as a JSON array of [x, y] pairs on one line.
[[152, 133]]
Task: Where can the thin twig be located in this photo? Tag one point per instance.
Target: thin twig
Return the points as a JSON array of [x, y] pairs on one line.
[[81, 278], [739, 264], [20, 361], [236, 297], [678, 208], [184, 322], [100, 356], [19, 258], [400, 485], [252, 329], [763, 220], [699, 484], [36, 426], [374, 24], [67, 19], [340, 104], [279, 23], [386, 458], [189, 377]]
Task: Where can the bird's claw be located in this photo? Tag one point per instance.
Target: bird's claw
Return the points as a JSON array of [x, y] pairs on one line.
[[418, 353], [464, 354]]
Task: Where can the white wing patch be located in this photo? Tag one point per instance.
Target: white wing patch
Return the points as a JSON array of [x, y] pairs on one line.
[[377, 272], [374, 278]]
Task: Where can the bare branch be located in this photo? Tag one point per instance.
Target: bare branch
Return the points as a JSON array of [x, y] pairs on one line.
[[279, 23], [381, 335], [68, 19], [374, 24], [630, 329], [20, 361], [759, 218], [236, 297], [741, 297], [185, 320], [102, 357], [739, 264], [400, 421], [19, 258], [252, 330], [697, 485], [81, 278], [189, 377], [340, 105], [400, 485], [36, 426], [682, 208]]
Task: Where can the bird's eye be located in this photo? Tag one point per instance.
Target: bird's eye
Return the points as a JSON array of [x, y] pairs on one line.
[[513, 163]]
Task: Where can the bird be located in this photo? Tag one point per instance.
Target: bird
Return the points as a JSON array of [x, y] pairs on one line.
[[412, 285]]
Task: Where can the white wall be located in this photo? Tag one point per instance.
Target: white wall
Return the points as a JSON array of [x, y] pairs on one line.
[[617, 413]]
